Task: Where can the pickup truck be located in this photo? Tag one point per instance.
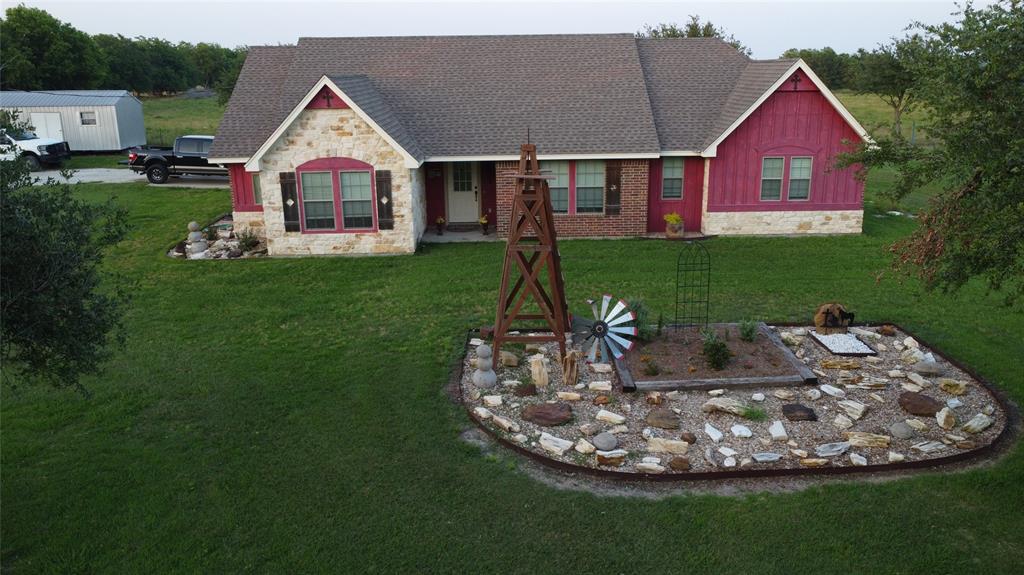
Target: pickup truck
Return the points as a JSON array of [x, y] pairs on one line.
[[36, 151], [187, 157]]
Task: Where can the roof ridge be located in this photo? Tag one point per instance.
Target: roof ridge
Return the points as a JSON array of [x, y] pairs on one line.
[[450, 36]]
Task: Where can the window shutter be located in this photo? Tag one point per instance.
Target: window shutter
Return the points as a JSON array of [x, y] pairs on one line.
[[612, 187], [385, 205], [290, 202]]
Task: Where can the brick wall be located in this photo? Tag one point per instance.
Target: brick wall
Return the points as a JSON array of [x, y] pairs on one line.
[[632, 221]]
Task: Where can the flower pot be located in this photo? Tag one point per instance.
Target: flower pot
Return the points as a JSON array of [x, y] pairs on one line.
[[440, 231], [674, 230], [485, 227]]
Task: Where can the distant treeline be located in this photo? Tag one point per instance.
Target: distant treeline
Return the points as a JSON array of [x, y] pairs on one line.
[[836, 69], [42, 53]]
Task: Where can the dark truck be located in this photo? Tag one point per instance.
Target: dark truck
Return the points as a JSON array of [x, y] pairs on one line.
[[187, 157]]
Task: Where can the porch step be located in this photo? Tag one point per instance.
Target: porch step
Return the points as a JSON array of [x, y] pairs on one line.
[[462, 227]]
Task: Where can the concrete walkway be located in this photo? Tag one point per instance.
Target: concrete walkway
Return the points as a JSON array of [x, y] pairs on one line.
[[126, 176]]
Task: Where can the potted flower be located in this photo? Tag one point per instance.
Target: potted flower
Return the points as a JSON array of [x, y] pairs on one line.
[[439, 225], [673, 225], [484, 223]]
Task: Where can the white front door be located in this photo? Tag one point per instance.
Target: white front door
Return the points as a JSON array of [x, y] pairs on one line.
[[47, 125], [463, 192]]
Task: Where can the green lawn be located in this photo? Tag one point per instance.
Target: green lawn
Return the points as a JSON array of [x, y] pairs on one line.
[[876, 116], [95, 161], [286, 415], [168, 118]]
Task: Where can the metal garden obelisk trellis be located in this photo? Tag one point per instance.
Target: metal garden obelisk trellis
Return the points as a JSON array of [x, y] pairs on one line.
[[531, 261], [693, 284]]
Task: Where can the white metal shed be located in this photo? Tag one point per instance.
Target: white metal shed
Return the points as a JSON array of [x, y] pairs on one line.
[[89, 120]]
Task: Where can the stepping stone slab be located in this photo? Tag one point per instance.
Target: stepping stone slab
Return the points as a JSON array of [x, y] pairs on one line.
[[918, 404], [798, 412], [663, 419], [548, 414], [605, 441]]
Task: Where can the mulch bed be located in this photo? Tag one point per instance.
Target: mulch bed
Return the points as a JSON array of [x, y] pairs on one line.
[[678, 355]]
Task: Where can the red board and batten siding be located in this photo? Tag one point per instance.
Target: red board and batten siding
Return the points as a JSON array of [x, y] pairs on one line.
[[789, 123], [243, 199], [689, 206]]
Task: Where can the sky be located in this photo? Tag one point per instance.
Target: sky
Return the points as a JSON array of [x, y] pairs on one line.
[[768, 28]]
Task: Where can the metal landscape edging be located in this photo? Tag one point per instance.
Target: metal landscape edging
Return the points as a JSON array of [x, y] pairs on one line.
[[1010, 428]]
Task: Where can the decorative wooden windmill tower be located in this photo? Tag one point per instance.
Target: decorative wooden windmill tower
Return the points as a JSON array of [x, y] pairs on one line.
[[531, 257]]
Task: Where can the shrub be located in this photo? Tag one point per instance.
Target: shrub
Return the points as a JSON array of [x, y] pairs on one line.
[[748, 330], [644, 330], [651, 367], [755, 414], [716, 352], [247, 240]]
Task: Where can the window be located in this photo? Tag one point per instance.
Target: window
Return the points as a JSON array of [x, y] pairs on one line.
[[318, 200], [672, 178], [559, 186], [799, 178], [88, 118], [590, 187], [356, 200], [257, 193], [771, 178], [462, 177], [188, 146]]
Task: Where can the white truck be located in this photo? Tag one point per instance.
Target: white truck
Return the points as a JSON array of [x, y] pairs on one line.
[[38, 152]]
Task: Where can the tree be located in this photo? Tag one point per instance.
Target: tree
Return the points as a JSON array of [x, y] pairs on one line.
[[59, 310], [229, 76], [888, 72], [968, 77], [832, 67], [693, 28], [43, 53]]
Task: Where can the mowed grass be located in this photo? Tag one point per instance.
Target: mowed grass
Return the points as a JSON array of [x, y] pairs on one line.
[[287, 415], [170, 117], [876, 116]]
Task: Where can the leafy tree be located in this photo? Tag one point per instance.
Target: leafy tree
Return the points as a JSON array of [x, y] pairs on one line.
[[693, 28], [229, 76], [43, 53], [888, 72], [969, 76], [59, 310], [832, 67]]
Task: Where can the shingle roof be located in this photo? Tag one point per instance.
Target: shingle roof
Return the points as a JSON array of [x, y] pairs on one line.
[[56, 98], [449, 96], [365, 95]]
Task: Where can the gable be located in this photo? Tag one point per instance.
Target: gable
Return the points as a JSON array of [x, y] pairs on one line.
[[326, 98]]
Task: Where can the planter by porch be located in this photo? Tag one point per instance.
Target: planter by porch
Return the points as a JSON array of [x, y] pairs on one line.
[[674, 230]]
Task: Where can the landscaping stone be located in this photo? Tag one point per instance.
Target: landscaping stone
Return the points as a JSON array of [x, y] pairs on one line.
[[716, 392], [505, 424], [896, 457], [600, 386], [525, 390], [482, 412], [813, 462], [928, 446], [609, 417], [585, 447], [741, 431], [568, 396], [853, 409], [832, 449], [784, 394], [831, 390], [778, 431], [766, 457], [555, 445], [813, 394], [601, 367], [508, 359], [858, 460], [590, 429], [953, 387], [865, 439], [945, 418], [918, 379], [605, 441], [613, 458], [548, 414], [926, 367], [954, 403], [663, 419], [917, 425], [484, 376], [654, 398], [645, 467], [728, 451], [842, 422], [713, 433], [688, 437], [602, 400], [978, 423], [757, 397], [679, 463], [900, 430], [918, 404], [539, 371], [725, 405], [798, 412], [661, 445]]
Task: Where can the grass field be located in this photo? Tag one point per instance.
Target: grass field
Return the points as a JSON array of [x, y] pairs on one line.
[[286, 415], [876, 116]]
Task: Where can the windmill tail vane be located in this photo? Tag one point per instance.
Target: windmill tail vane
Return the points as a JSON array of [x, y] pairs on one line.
[[609, 330]]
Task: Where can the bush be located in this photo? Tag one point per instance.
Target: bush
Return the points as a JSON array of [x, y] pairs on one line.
[[643, 324], [748, 330], [716, 352], [247, 240]]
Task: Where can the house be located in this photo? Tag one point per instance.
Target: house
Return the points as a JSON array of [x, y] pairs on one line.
[[357, 145], [88, 120]]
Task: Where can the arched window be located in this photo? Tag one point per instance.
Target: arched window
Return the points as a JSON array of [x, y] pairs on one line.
[[336, 195]]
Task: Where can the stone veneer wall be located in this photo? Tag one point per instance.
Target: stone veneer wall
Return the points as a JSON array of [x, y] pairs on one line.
[[327, 133], [783, 223], [632, 221], [252, 221]]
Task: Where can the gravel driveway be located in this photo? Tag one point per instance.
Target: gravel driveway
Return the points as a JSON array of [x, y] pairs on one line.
[[125, 176]]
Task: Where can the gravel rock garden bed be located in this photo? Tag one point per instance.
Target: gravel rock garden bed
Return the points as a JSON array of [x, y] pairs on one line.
[[904, 405]]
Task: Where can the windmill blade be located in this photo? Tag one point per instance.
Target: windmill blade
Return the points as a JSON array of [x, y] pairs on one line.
[[604, 305], [625, 330], [604, 350], [629, 316], [621, 305], [593, 306], [592, 355], [615, 349], [621, 341]]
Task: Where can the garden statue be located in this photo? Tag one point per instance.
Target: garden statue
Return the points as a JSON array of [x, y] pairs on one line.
[[484, 375], [832, 318], [196, 240]]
